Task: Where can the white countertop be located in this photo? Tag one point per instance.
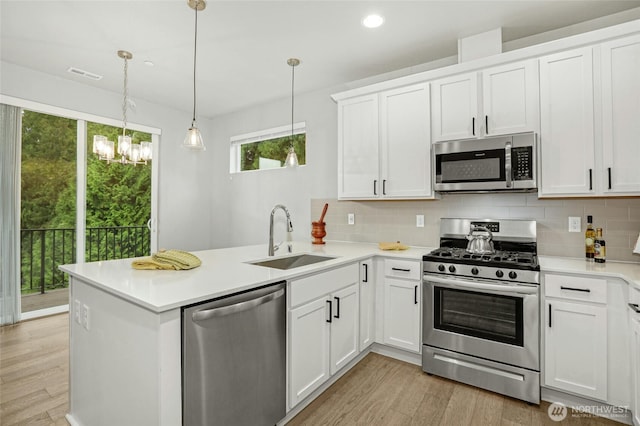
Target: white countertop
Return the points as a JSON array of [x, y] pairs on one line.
[[627, 271], [225, 271]]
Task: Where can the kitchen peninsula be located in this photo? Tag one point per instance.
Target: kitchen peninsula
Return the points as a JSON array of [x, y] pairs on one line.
[[125, 324]]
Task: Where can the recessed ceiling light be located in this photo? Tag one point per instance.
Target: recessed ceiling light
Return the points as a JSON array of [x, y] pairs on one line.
[[149, 63], [373, 21]]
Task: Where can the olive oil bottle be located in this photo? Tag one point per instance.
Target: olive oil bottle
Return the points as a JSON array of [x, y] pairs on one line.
[[589, 239], [599, 247]]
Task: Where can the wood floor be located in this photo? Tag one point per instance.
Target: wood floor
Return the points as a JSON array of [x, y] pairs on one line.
[[34, 374], [385, 391]]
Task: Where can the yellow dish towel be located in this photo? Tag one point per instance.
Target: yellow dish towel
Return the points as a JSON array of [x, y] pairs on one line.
[[392, 246], [168, 260]]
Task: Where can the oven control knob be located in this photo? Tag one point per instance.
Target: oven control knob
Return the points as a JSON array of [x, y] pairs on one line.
[[499, 273], [452, 269], [513, 275], [474, 271], [441, 268]]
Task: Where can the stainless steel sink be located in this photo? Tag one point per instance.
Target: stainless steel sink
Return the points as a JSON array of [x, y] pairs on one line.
[[291, 262]]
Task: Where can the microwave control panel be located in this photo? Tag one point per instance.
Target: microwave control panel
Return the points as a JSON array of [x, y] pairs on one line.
[[522, 162]]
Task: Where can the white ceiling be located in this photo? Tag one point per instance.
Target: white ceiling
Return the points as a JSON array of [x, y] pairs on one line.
[[243, 46]]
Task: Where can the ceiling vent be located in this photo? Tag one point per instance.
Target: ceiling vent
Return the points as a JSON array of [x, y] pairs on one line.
[[83, 73]]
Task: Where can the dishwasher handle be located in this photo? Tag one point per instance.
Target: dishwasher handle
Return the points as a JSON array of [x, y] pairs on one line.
[[206, 314]]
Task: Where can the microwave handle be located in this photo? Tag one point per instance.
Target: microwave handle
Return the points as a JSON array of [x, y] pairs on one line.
[[507, 163]]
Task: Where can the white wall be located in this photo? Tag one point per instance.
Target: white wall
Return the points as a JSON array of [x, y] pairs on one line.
[[185, 182], [243, 207]]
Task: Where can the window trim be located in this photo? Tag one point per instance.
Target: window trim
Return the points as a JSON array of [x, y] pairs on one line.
[[259, 136]]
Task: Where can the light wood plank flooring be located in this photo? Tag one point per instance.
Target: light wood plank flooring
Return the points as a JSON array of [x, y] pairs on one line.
[[34, 374], [384, 391]]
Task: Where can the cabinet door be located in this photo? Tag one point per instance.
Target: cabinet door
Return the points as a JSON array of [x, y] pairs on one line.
[[635, 368], [358, 167], [309, 349], [402, 314], [567, 124], [405, 142], [367, 304], [510, 98], [454, 107], [620, 115], [576, 348], [345, 320]]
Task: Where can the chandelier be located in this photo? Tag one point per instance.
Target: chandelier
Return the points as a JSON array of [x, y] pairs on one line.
[[130, 153]]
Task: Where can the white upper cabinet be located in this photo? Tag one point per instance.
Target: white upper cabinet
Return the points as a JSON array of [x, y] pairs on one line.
[[405, 142], [621, 116], [384, 147], [590, 131], [455, 107], [358, 166], [567, 123], [505, 102], [510, 98]]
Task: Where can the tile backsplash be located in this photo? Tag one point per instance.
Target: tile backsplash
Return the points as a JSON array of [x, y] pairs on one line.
[[377, 221]]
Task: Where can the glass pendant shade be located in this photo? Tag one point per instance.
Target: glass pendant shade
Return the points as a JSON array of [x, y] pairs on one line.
[[292, 158], [124, 145], [193, 140], [145, 151]]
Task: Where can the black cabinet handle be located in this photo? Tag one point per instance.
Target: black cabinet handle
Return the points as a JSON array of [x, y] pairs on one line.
[[384, 187], [590, 179], [609, 172], [415, 295], [549, 315], [375, 187], [634, 307], [486, 124], [366, 273], [473, 126], [330, 310], [401, 269], [337, 315], [584, 290]]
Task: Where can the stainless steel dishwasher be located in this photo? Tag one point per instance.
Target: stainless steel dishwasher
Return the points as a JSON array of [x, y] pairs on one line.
[[233, 359]]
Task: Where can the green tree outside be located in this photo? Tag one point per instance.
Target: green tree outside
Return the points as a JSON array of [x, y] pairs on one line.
[[118, 195]]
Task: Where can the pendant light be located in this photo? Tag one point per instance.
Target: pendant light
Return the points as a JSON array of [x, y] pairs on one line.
[[292, 158], [193, 140], [130, 153]]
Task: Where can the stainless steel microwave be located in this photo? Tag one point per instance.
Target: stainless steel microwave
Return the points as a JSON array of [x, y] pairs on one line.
[[500, 163]]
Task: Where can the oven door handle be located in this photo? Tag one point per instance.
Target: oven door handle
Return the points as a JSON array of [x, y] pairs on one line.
[[470, 285]]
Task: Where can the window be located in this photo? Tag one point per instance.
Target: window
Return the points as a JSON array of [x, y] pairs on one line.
[[267, 149]]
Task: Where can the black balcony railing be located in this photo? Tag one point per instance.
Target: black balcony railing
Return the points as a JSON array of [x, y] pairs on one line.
[[43, 250]]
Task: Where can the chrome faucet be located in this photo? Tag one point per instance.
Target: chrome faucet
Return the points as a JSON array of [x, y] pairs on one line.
[[272, 247]]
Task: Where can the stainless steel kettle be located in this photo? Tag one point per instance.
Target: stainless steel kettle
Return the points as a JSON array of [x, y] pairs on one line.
[[480, 240]]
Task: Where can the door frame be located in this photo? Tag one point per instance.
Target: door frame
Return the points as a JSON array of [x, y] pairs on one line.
[[81, 169]]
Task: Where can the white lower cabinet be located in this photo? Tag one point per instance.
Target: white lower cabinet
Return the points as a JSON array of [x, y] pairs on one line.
[[576, 348], [586, 337], [402, 301], [309, 361], [344, 321], [367, 304], [324, 321], [634, 352]]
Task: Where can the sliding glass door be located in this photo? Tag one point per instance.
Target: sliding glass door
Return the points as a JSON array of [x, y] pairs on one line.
[[76, 207]]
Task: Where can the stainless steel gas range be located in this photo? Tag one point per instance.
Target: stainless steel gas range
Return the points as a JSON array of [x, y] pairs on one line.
[[481, 306]]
